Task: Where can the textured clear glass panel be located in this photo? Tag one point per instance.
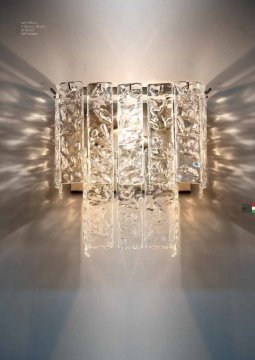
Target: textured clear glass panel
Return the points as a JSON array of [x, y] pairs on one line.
[[130, 210], [57, 175], [98, 216], [99, 182], [191, 132], [161, 137], [69, 133], [130, 171], [130, 134], [161, 218], [203, 145], [161, 215], [100, 133]]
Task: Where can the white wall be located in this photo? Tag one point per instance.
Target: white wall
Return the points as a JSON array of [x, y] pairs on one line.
[[57, 304], [134, 40]]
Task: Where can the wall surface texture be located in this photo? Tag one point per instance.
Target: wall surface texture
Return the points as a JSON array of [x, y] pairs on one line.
[[57, 304]]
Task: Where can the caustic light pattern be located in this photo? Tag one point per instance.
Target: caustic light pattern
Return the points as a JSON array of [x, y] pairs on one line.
[[69, 133]]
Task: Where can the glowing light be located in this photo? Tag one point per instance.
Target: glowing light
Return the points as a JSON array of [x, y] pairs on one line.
[[145, 180], [30, 131], [40, 100], [221, 100]]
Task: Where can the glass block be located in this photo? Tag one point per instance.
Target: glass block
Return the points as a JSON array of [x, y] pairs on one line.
[[130, 168], [99, 182], [191, 135], [161, 219], [203, 144], [161, 138], [130, 134], [98, 216], [100, 133], [130, 212], [69, 133]]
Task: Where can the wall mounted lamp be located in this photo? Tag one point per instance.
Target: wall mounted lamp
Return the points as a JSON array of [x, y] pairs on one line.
[[135, 156]]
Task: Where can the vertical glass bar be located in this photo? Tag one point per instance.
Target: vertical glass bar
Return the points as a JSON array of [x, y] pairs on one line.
[[130, 172], [57, 178], [130, 134], [191, 132], [161, 137], [98, 221], [99, 187], [162, 221], [203, 145], [130, 212], [161, 186], [69, 133]]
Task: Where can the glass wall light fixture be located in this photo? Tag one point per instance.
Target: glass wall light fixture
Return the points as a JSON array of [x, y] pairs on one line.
[[154, 153]]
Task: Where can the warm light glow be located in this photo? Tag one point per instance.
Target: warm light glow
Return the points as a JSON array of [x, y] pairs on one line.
[[145, 180]]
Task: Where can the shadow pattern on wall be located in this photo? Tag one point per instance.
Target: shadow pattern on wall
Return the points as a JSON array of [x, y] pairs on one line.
[[217, 246], [231, 134], [27, 149]]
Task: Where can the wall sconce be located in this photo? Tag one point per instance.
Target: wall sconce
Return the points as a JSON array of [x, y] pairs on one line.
[[153, 156]]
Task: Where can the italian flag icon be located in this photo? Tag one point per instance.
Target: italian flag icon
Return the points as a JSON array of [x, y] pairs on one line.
[[253, 208]]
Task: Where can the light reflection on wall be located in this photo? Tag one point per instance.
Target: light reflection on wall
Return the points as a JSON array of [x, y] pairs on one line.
[[26, 118], [231, 141]]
